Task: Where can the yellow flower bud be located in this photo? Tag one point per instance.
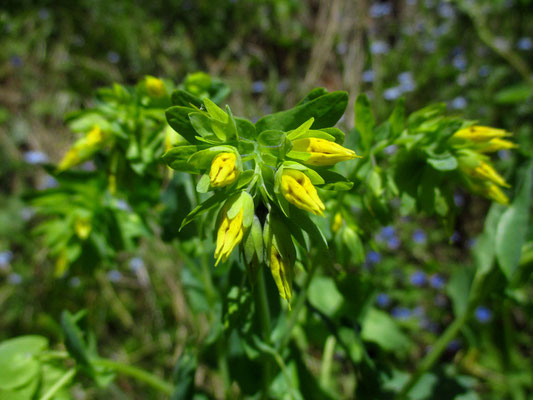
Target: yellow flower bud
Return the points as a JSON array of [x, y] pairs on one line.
[[94, 137], [493, 192], [82, 149], [480, 133], [486, 172], [154, 86], [69, 160], [229, 235], [83, 227], [323, 152], [223, 170], [337, 222], [496, 144], [297, 188], [282, 272]]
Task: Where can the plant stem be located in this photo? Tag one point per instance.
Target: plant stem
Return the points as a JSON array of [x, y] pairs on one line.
[[300, 304], [63, 381], [261, 301], [137, 373]]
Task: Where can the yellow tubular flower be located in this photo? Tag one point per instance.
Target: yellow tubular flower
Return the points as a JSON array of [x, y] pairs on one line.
[[83, 227], [480, 133], [154, 86], [69, 160], [493, 192], [323, 152], [337, 222], [94, 137], [223, 171], [297, 188], [496, 145], [281, 270], [486, 172], [229, 235]]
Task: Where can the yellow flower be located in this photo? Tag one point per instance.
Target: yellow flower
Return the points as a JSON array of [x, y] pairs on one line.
[[69, 160], [281, 269], [229, 235], [83, 227], [495, 193], [337, 222], [486, 172], [82, 149], [94, 137], [154, 86], [480, 133], [496, 144], [223, 170], [323, 152], [297, 188]]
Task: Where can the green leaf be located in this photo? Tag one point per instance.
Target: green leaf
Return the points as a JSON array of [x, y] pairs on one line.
[[18, 364], [215, 111], [207, 205], [378, 327], [514, 94], [185, 99], [202, 159], [324, 295], [203, 184], [74, 338], [313, 94], [364, 120], [335, 181], [447, 163], [336, 133], [178, 119], [326, 110], [513, 225], [270, 138], [177, 157], [183, 376], [245, 128], [397, 118]]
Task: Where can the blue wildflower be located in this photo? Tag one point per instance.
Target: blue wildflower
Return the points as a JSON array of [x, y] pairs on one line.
[[454, 345], [5, 258], [368, 76], [418, 278], [383, 300], [16, 61], [378, 10], [483, 314], [341, 48], [258, 87], [419, 236], [484, 71], [114, 275], [74, 282], [136, 264], [392, 93], [393, 243], [379, 47], [35, 157], [401, 313], [372, 257], [437, 281], [283, 86], [455, 237], [524, 43], [459, 103], [113, 57], [390, 150], [459, 199], [14, 279]]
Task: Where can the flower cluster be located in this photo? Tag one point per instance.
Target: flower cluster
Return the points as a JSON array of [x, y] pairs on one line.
[[261, 174], [472, 144]]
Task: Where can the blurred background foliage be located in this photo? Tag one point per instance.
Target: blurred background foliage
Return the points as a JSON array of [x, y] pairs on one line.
[[152, 302]]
